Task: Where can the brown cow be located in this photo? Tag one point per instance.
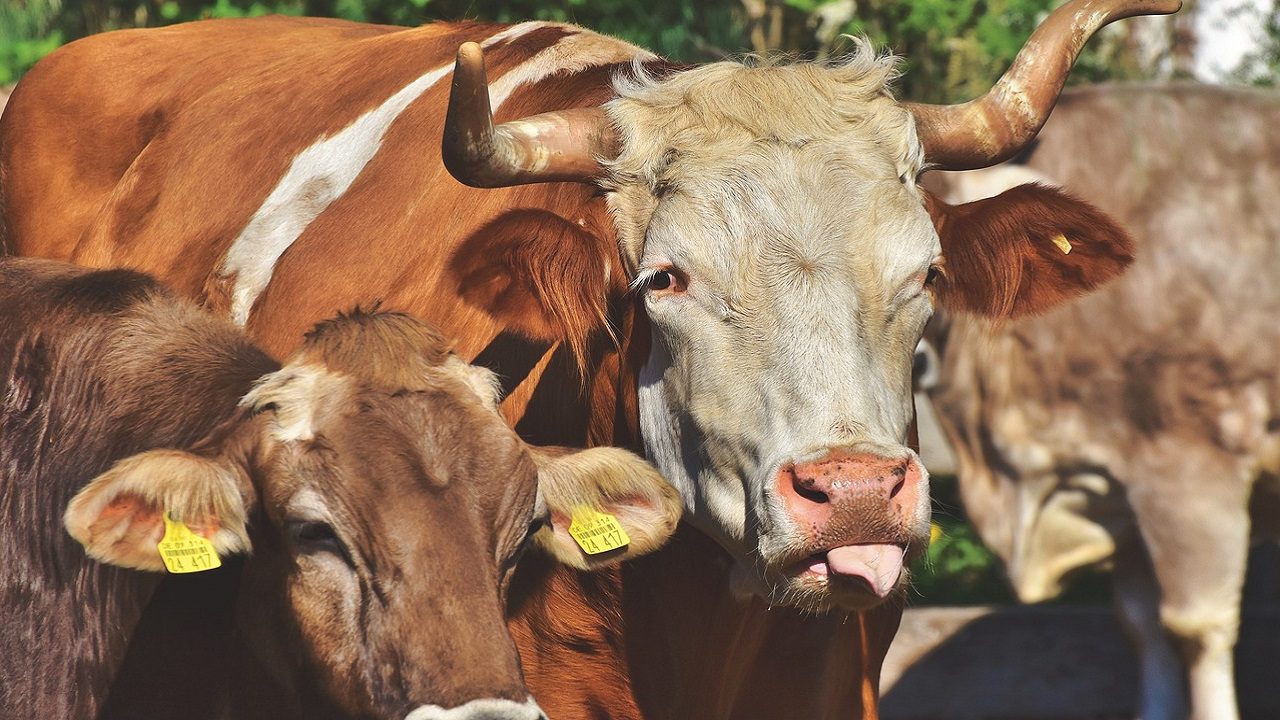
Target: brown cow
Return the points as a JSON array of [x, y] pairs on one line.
[[725, 265], [384, 499], [1139, 427]]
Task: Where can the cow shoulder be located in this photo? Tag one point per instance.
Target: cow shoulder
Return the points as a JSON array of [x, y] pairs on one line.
[[1025, 251]]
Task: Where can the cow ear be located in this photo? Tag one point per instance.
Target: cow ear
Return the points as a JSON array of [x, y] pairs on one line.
[[538, 274], [119, 516], [1024, 251], [602, 486]]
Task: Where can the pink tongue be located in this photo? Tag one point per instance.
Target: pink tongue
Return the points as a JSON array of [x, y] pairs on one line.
[[879, 565]]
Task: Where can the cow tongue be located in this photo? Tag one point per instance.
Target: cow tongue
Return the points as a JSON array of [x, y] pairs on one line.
[[879, 565]]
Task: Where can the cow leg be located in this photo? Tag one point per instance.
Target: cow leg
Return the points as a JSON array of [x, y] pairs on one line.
[[1138, 604], [1193, 516]]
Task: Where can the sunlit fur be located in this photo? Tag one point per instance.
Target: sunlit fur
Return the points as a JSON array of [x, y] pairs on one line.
[[205, 493], [786, 195], [388, 350], [606, 479]]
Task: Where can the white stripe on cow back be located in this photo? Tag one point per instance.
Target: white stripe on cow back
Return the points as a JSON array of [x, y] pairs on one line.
[[325, 170], [482, 709]]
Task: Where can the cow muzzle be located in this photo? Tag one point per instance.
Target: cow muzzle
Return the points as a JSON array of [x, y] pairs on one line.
[[854, 517]]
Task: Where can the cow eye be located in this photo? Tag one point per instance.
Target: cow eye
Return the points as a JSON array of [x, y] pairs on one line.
[[932, 276], [315, 536], [667, 280]]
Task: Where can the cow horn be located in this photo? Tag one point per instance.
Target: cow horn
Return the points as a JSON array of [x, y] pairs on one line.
[[994, 127], [556, 146]]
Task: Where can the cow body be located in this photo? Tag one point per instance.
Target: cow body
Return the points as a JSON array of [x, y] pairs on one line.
[[63, 424], [385, 500], [1138, 427], [694, 300]]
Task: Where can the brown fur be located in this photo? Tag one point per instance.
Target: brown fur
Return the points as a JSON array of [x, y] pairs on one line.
[[1000, 259], [403, 455], [94, 366], [647, 642]]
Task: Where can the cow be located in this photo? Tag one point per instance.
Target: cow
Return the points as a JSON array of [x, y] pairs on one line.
[[726, 266], [383, 497], [1138, 428]]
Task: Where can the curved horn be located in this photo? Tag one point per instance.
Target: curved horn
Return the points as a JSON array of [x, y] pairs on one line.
[[994, 127], [553, 146]]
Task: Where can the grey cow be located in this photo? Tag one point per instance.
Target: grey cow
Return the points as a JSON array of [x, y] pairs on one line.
[[1139, 427]]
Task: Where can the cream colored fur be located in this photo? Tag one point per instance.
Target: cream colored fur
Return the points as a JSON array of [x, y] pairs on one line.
[[301, 394], [194, 489], [786, 195], [610, 480]]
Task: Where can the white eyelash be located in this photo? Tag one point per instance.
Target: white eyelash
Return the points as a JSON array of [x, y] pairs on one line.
[[643, 277]]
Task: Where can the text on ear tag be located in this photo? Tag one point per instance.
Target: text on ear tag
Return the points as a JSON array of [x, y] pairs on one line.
[[184, 551], [1063, 243], [597, 532]]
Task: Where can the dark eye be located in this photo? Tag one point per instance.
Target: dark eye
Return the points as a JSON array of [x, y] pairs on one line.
[[661, 280], [932, 276], [314, 536]]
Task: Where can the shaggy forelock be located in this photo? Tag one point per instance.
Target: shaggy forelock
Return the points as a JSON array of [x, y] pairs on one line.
[[383, 351], [388, 349], [705, 112]]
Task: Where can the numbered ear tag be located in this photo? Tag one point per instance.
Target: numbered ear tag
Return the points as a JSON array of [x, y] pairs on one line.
[[184, 551], [597, 532], [1063, 244]]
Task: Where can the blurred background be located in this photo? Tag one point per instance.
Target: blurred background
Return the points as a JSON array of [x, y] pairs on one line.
[[966, 650], [954, 48]]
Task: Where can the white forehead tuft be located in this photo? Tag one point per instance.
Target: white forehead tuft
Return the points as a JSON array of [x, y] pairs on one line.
[[707, 110], [298, 394], [479, 380], [488, 708]]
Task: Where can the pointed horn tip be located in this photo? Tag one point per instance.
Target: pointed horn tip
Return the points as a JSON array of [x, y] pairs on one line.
[[470, 54]]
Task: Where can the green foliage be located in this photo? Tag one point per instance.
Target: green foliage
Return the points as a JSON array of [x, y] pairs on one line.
[[958, 569], [27, 34], [953, 48]]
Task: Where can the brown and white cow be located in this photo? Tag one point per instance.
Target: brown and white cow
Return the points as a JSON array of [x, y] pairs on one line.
[[726, 265], [1140, 427], [383, 498]]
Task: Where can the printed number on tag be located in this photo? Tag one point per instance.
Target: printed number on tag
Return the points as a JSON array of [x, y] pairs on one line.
[[597, 532], [184, 551]]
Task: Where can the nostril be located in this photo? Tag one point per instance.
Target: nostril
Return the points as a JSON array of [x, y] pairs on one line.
[[897, 486], [899, 479], [805, 489]]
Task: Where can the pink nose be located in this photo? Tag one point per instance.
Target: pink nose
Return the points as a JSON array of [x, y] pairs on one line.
[[852, 489]]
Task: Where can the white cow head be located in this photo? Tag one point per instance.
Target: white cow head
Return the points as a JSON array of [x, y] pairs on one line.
[[787, 262]]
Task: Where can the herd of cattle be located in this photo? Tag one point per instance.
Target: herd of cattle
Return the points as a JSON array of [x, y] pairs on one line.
[[724, 268]]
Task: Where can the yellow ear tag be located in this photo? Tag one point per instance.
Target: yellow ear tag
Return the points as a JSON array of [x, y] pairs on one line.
[[1063, 244], [184, 551], [597, 532], [935, 532]]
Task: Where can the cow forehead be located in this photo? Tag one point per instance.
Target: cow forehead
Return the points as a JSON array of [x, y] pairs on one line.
[[807, 159], [711, 111], [380, 456], [810, 211]]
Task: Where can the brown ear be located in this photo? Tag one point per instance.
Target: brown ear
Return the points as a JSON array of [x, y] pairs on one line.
[[118, 516], [536, 273], [1024, 251], [605, 480]]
